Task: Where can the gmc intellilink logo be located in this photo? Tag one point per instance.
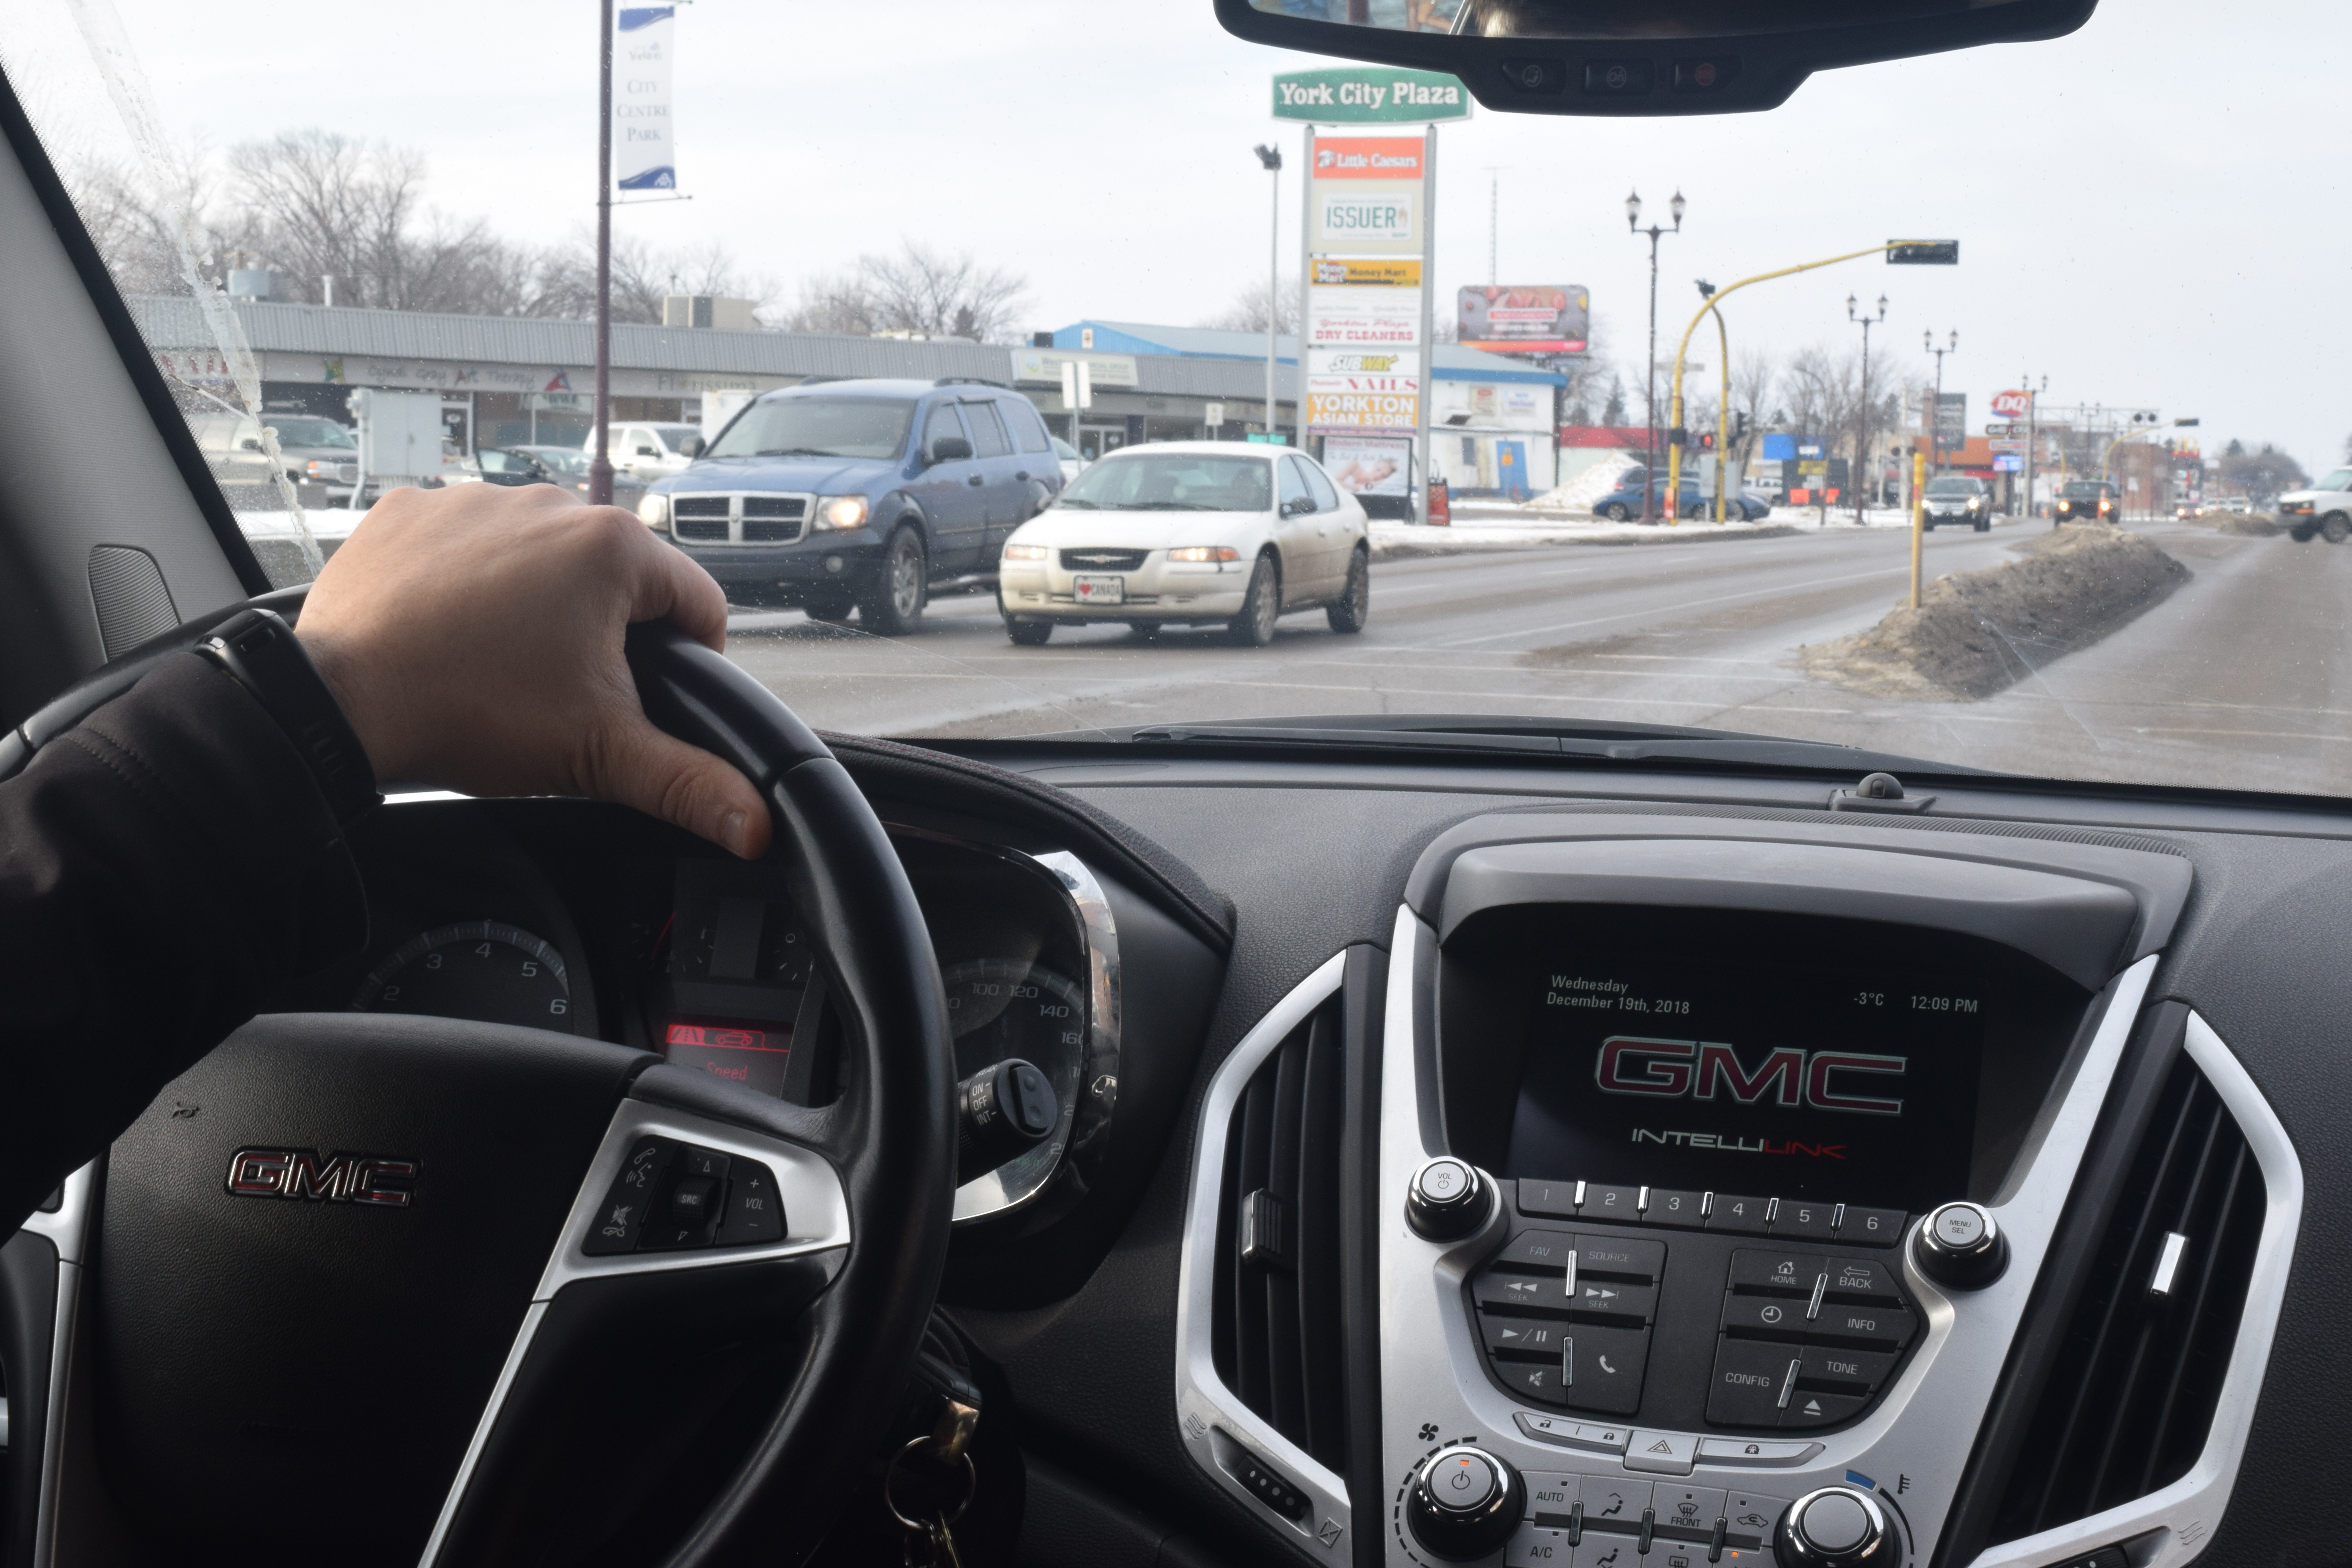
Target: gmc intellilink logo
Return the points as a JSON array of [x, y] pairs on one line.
[[1705, 1071]]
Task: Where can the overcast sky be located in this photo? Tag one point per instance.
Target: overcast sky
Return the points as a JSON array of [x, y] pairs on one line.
[[2143, 206]]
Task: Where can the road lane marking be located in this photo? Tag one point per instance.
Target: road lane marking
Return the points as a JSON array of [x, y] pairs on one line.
[[1673, 609]]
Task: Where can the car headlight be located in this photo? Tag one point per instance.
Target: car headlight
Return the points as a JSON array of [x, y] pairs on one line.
[[654, 512], [1025, 553], [1205, 552], [841, 511]]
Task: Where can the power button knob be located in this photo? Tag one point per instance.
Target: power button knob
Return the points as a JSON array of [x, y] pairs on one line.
[[1836, 1527], [1465, 1503], [1447, 1199]]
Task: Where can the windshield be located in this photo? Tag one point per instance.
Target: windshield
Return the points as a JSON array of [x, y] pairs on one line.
[[1189, 481], [817, 427], [1477, 356], [294, 431]]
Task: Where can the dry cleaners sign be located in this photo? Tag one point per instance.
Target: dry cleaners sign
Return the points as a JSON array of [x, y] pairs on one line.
[[1369, 95]]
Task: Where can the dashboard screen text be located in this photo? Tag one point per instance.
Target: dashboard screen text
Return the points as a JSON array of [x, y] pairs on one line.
[[1852, 1086]]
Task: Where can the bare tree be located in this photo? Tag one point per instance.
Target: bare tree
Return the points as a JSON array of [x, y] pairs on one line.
[[1755, 377], [2263, 474], [921, 290], [1246, 313]]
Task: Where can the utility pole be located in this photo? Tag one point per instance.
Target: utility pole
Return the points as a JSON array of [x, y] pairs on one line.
[[1270, 157], [1493, 224], [1935, 420], [1650, 397], [2032, 407], [600, 466], [1862, 413]]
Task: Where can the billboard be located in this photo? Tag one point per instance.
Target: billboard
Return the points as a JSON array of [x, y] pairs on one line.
[[1369, 157], [1952, 421], [1524, 318], [1369, 465], [1403, 272], [1368, 215]]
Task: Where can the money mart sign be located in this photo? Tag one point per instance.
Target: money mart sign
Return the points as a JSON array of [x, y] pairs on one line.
[[1369, 95]]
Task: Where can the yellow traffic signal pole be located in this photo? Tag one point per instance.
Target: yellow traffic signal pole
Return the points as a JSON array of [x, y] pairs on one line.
[[1682, 349], [1722, 411], [1918, 517]]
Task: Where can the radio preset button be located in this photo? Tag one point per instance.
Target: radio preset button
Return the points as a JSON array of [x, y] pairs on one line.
[[1871, 1227], [1805, 1217], [1673, 1207], [1555, 1200], [1622, 1205], [1739, 1216]]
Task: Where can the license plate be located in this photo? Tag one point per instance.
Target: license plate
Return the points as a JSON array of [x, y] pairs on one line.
[[1100, 590]]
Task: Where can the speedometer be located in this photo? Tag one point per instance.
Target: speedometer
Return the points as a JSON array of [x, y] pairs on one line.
[[484, 969], [1001, 1008]]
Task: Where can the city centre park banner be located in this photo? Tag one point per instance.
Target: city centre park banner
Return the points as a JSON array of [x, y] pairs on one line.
[[1367, 265], [645, 150]]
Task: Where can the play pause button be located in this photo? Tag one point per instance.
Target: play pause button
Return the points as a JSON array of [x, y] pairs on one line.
[[1528, 1337]]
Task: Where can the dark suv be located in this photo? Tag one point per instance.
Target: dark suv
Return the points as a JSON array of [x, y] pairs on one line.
[[864, 495], [2087, 500]]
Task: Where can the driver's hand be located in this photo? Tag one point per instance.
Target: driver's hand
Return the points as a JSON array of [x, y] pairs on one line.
[[473, 636]]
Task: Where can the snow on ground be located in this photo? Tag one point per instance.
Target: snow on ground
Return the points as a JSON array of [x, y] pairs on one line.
[[1481, 526]]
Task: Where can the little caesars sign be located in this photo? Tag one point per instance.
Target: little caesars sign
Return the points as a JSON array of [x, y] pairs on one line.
[[1369, 95]]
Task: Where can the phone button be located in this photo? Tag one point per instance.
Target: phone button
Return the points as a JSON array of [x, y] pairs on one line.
[[1604, 1368]]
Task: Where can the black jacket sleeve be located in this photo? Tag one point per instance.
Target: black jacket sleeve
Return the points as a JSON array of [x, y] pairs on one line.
[[163, 867]]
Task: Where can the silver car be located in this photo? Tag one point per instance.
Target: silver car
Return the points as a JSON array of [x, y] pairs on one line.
[[1189, 534]]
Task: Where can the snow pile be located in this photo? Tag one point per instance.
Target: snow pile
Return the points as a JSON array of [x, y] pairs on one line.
[[1581, 493]]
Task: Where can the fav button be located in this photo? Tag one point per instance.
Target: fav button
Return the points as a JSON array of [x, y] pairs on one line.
[[1538, 1249]]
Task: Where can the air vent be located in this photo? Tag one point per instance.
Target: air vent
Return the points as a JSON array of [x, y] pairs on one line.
[[2134, 1383], [1276, 1333]]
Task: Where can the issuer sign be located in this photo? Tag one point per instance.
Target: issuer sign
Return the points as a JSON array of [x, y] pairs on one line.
[[1853, 1084]]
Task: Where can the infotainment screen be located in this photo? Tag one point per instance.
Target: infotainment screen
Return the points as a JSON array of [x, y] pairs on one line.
[[1683, 1070]]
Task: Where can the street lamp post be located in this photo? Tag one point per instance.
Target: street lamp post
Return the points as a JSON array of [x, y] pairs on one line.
[[1650, 397], [600, 466], [1862, 412], [1936, 418], [1270, 156]]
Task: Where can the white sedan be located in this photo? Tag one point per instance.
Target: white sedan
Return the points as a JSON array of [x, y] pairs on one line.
[[1189, 534]]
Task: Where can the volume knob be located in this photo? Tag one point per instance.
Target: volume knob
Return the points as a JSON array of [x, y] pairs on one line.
[[1465, 1503], [1447, 1200], [1836, 1527]]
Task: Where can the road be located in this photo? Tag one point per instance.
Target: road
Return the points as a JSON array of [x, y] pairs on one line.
[[2242, 678]]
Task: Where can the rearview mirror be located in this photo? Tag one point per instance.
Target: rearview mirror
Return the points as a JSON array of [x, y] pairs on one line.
[[951, 449], [1610, 56], [691, 447]]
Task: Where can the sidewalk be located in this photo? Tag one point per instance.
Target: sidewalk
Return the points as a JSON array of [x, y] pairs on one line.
[[1481, 526]]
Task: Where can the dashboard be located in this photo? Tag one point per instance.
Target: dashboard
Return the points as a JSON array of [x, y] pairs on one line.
[[1537, 1168]]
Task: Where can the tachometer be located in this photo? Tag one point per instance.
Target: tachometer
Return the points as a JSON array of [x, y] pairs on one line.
[[1002, 1008], [484, 969]]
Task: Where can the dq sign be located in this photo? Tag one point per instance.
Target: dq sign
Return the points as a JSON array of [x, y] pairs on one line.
[[2011, 405]]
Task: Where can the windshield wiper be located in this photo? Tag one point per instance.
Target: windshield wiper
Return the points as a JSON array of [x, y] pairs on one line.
[[1164, 506], [1597, 739], [798, 452], [1072, 500]]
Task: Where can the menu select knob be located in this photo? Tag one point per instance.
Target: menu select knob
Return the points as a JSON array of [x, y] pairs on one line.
[[1464, 1503], [1960, 1246], [1447, 1199], [1836, 1527]]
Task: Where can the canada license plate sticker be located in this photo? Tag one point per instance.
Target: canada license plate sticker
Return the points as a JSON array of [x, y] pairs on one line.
[[1100, 590]]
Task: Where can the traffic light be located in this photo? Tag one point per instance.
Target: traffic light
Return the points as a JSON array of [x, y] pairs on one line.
[[1739, 426], [1707, 441]]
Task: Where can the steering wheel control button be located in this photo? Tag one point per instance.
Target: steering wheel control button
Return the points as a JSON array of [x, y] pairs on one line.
[[754, 1212], [1465, 1503], [692, 1202], [621, 1220], [1664, 1453], [1836, 1527], [1447, 1199], [1960, 1246]]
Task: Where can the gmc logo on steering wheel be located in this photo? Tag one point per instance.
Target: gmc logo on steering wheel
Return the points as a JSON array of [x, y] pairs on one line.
[[1698, 1069], [377, 1179]]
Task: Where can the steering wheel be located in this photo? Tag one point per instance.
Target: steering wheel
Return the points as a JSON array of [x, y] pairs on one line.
[[412, 1290]]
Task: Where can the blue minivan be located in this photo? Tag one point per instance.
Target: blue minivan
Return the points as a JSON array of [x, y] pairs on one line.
[[860, 495]]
